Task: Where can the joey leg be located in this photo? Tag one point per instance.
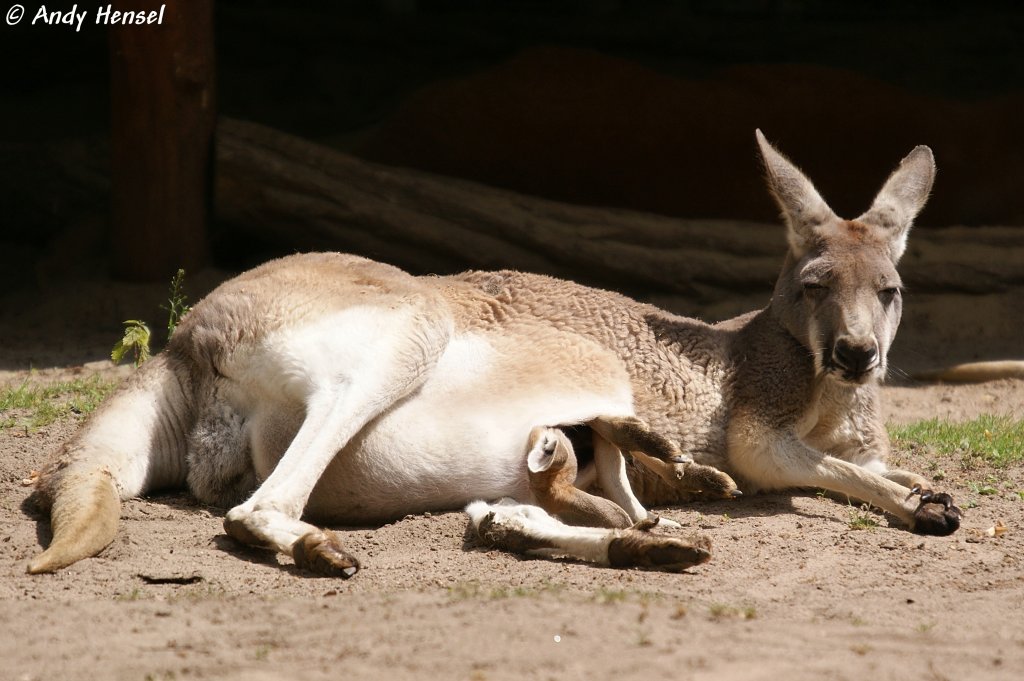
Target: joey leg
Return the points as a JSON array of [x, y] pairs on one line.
[[551, 464], [631, 434], [688, 481], [679, 479]]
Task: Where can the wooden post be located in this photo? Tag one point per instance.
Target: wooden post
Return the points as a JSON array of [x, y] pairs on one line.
[[163, 118]]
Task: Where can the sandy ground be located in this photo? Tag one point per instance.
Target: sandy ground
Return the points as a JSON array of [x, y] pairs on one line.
[[793, 590]]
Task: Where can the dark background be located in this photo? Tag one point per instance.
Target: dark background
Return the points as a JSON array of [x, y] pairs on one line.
[[643, 105]]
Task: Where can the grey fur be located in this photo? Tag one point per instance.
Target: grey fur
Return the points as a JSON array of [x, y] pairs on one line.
[[220, 470]]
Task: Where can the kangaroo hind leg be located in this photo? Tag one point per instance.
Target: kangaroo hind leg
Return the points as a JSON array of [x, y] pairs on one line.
[[340, 402]]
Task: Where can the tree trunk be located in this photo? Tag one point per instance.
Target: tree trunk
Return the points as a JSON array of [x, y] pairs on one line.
[[162, 92]]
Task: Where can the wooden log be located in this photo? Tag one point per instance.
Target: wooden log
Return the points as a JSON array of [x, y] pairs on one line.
[[299, 196], [162, 96], [305, 196]]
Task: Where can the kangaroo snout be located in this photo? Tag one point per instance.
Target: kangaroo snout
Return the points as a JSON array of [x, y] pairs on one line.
[[855, 356]]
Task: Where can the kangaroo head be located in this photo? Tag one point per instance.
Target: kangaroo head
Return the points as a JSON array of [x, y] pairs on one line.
[[839, 292]]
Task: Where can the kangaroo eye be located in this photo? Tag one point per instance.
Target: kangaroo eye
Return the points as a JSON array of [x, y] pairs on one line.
[[812, 288], [886, 295]]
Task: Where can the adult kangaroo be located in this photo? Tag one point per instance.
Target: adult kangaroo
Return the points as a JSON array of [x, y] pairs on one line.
[[348, 391]]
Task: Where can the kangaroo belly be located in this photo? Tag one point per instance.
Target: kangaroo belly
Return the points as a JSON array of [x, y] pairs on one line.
[[461, 436], [437, 454]]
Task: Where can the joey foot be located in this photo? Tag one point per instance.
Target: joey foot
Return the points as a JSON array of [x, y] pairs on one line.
[[637, 547], [321, 552], [936, 515], [656, 483], [707, 482]]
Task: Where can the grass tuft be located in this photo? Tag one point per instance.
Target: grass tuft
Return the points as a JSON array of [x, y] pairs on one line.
[[34, 406], [993, 440]]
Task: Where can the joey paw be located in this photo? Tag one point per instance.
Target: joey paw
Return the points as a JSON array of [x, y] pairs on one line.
[[321, 552], [935, 515]]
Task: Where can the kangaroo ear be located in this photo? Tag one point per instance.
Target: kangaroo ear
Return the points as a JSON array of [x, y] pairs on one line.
[[902, 197], [803, 209], [538, 461]]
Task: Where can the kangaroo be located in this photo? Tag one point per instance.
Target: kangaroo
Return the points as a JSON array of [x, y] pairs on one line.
[[348, 391]]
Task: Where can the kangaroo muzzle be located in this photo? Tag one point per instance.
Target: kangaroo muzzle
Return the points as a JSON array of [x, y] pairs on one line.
[[855, 358]]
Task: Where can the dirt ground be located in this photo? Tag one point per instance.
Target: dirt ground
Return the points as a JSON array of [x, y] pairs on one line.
[[793, 590]]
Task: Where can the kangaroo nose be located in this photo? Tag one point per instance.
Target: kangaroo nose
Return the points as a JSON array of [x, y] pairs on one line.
[[855, 356]]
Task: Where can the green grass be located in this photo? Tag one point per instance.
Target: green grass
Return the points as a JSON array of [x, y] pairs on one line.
[[862, 518], [993, 440], [31, 405]]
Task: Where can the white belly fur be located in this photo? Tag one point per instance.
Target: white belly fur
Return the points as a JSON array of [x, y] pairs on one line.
[[460, 437]]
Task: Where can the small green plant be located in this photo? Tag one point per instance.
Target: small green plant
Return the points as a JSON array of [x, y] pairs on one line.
[[862, 518], [993, 440], [136, 340], [177, 307], [135, 343]]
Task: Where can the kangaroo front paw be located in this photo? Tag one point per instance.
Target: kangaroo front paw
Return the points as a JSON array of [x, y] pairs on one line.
[[935, 515], [321, 552], [637, 547]]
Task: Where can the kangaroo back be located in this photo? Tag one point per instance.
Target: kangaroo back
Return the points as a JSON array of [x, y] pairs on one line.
[[133, 444]]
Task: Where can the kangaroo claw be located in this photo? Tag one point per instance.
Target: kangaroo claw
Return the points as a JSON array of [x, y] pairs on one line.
[[935, 515]]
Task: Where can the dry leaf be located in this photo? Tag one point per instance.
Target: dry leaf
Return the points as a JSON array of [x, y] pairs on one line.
[[997, 530]]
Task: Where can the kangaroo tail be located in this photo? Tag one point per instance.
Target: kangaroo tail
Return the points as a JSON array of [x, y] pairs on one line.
[[975, 372], [134, 443]]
